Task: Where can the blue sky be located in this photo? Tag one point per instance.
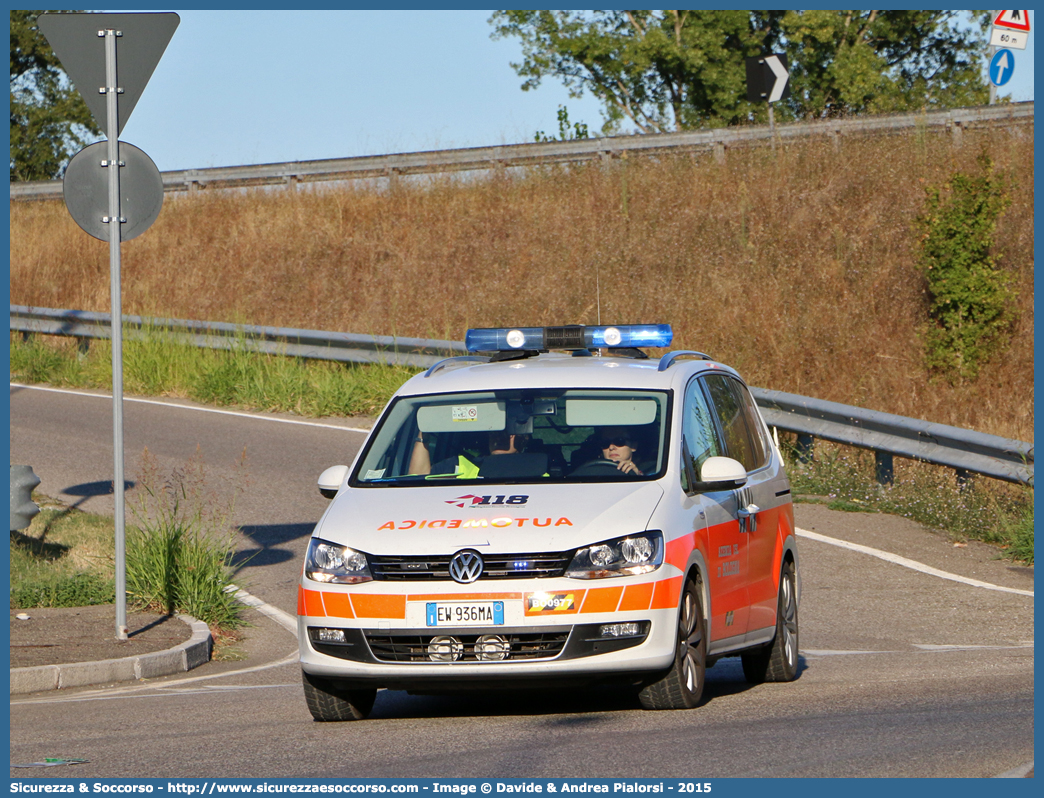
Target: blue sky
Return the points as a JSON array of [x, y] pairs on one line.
[[249, 87]]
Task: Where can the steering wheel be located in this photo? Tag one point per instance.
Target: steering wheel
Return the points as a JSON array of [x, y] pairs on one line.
[[597, 467]]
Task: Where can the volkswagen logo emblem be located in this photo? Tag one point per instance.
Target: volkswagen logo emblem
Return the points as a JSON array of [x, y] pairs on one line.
[[465, 566]]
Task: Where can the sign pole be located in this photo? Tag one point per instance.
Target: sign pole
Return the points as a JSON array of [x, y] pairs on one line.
[[116, 312], [74, 37], [992, 52]]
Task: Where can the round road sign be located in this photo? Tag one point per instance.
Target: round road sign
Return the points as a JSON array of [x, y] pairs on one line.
[[1002, 65], [86, 188]]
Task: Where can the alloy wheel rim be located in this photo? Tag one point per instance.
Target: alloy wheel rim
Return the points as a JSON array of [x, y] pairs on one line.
[[690, 644], [789, 621]]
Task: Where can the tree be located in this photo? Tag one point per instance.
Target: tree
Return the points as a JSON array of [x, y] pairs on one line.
[[660, 70], [675, 70], [50, 121], [845, 62]]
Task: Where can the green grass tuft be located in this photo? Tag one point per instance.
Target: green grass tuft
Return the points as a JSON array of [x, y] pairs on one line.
[[158, 365], [179, 555], [64, 559]]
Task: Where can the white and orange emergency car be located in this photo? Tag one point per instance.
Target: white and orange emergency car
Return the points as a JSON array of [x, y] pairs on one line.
[[529, 517]]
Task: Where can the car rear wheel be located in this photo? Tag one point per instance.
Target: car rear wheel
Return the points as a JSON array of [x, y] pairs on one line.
[[778, 662], [327, 701], [682, 686]]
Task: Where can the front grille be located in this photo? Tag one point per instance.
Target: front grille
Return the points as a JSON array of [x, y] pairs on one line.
[[408, 647], [496, 566]]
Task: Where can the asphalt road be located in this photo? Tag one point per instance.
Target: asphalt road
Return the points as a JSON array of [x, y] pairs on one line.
[[904, 673]]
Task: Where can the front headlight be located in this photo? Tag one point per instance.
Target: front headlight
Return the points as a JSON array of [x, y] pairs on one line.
[[626, 556], [328, 562]]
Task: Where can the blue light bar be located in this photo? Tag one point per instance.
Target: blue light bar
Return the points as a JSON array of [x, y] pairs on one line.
[[508, 339], [504, 339]]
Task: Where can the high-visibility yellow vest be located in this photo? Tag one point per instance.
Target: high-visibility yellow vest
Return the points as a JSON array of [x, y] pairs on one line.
[[466, 469]]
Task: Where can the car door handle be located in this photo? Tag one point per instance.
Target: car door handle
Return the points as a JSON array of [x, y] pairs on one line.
[[749, 510], [748, 517]]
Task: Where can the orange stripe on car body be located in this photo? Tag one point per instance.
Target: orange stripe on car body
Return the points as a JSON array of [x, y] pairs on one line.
[[313, 603], [678, 550], [338, 605], [300, 600], [378, 606], [667, 594], [636, 597], [602, 599]]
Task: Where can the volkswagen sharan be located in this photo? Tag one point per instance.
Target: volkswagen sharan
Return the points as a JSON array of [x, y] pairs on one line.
[[555, 509]]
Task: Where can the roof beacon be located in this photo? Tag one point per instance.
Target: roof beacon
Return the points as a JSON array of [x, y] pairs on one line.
[[506, 339]]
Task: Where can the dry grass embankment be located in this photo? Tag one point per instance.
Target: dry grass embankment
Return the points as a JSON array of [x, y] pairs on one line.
[[798, 267]]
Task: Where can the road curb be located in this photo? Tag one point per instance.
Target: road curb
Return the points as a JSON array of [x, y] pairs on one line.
[[183, 657]]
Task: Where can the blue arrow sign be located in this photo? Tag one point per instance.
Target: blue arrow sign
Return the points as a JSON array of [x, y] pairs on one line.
[[1001, 67]]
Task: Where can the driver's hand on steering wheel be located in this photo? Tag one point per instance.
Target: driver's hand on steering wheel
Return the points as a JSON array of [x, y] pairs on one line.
[[628, 467]]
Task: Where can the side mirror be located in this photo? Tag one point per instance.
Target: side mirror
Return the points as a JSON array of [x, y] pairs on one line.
[[331, 479], [722, 473]]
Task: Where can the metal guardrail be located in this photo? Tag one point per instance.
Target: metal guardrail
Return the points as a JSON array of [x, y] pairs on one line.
[[311, 344], [966, 451], [515, 155]]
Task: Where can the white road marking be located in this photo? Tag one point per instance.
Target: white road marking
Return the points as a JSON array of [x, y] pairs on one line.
[[1020, 772], [829, 652], [906, 563], [132, 690], [937, 647], [281, 617], [239, 414], [931, 648]]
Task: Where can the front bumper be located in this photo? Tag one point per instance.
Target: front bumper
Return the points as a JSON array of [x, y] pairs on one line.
[[378, 635]]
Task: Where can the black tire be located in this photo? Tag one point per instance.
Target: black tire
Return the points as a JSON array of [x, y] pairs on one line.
[[682, 686], [327, 701], [778, 661]]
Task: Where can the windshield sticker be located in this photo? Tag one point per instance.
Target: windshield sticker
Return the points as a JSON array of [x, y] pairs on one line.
[[474, 523], [465, 412], [374, 474]]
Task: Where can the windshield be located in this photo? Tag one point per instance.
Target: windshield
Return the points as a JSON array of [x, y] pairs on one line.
[[501, 437]]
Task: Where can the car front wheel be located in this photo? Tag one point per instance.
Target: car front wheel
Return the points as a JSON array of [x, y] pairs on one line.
[[778, 662], [328, 701], [682, 686]]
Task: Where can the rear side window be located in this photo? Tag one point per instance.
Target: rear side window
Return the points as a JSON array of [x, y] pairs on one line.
[[758, 433], [739, 421]]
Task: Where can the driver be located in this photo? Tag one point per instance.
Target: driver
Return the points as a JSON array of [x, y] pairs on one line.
[[618, 446], [461, 466]]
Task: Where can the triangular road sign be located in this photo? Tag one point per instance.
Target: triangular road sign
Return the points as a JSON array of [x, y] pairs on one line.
[[75, 40], [1013, 20]]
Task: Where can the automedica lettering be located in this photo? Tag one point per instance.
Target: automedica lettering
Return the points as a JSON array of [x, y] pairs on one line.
[[474, 523]]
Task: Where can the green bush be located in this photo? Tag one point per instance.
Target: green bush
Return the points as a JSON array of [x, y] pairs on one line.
[[970, 300]]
